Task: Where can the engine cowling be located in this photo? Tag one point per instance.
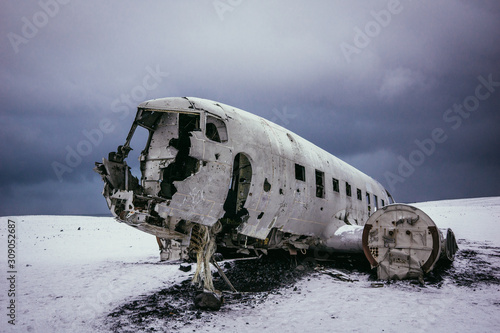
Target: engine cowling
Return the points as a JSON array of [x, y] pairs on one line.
[[403, 242]]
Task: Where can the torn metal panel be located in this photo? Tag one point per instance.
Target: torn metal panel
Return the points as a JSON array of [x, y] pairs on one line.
[[167, 104], [208, 106]]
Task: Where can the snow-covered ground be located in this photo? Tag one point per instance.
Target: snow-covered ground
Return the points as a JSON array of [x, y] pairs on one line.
[[73, 271]]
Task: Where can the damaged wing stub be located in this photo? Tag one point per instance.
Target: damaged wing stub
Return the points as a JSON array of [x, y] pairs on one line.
[[403, 242]]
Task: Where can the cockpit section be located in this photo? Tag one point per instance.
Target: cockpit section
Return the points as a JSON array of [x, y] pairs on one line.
[[183, 164]]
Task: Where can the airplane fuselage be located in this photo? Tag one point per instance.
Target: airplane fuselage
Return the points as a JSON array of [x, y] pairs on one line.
[[249, 183]]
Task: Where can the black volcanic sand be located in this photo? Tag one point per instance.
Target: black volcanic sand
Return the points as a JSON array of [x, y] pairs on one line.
[[255, 279], [472, 267]]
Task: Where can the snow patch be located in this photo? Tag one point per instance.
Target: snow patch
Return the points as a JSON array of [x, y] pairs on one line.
[[74, 271]]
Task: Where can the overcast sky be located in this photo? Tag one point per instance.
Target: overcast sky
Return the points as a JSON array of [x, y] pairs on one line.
[[406, 91]]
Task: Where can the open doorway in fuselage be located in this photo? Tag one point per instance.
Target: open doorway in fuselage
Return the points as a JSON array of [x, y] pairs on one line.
[[241, 180]]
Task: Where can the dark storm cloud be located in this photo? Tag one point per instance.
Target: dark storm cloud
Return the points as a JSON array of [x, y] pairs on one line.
[[363, 81]]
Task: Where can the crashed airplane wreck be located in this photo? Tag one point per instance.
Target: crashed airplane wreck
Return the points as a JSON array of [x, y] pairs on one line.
[[214, 176]]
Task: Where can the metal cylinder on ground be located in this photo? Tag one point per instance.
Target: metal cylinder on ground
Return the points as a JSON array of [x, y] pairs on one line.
[[345, 239], [403, 242]]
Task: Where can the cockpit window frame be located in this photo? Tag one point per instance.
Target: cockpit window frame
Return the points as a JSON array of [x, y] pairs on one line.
[[218, 129]]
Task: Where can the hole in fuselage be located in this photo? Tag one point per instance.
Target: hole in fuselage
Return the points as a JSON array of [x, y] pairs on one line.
[[267, 186], [240, 188], [184, 165]]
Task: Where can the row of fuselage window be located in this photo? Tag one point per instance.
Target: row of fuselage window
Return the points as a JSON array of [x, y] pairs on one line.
[[300, 174]]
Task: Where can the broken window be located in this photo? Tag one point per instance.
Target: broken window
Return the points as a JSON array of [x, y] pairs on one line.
[[335, 185], [267, 186], [300, 172], [360, 197], [215, 129], [188, 123], [348, 189], [148, 119], [320, 184], [368, 201], [383, 203], [375, 201]]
